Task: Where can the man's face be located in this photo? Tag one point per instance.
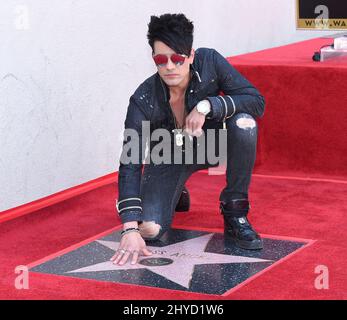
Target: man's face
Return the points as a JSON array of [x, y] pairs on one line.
[[172, 74]]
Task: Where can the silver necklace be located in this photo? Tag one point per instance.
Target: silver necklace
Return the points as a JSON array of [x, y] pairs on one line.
[[178, 131]]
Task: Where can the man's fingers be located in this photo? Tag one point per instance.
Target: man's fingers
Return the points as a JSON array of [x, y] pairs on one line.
[[194, 128], [135, 257], [186, 125], [124, 258], [146, 252], [198, 132], [119, 256], [188, 129], [116, 255]]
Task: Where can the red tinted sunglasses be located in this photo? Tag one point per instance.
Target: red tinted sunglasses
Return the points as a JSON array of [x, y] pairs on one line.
[[161, 60]]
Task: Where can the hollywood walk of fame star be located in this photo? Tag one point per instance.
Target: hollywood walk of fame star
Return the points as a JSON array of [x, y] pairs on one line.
[[175, 261]]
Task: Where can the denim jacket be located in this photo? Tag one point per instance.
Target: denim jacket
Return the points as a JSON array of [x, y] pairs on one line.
[[212, 74]]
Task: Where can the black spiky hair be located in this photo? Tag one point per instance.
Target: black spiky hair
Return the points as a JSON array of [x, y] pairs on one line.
[[175, 30]]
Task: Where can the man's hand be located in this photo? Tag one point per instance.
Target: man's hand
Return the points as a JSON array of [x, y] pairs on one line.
[[131, 245], [194, 122]]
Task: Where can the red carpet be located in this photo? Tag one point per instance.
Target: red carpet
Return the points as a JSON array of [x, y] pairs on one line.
[[293, 208], [304, 127], [302, 134]]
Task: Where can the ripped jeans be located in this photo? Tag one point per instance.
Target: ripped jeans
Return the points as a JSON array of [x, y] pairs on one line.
[[162, 184]]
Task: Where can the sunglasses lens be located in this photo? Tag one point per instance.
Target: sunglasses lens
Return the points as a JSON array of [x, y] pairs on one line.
[[160, 59], [177, 59]]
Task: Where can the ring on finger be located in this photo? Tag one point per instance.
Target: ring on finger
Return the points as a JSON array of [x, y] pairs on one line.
[[122, 251]]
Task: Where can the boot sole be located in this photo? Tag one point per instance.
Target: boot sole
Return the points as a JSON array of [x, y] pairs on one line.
[[254, 245]]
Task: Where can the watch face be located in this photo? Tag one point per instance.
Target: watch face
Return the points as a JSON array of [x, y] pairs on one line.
[[203, 107]]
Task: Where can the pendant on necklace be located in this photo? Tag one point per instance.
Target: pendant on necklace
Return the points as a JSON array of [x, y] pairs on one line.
[[178, 137]]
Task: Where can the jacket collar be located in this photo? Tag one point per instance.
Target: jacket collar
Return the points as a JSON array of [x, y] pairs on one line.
[[195, 73]]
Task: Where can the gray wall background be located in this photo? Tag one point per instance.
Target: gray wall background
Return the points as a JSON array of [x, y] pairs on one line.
[[68, 68]]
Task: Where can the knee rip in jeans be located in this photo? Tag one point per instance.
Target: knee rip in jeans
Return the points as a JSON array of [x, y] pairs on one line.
[[149, 229], [246, 123]]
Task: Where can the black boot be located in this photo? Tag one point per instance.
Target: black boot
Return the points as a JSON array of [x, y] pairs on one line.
[[183, 203], [236, 226]]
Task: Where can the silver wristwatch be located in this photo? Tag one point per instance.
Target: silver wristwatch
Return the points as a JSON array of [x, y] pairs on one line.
[[203, 107]]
